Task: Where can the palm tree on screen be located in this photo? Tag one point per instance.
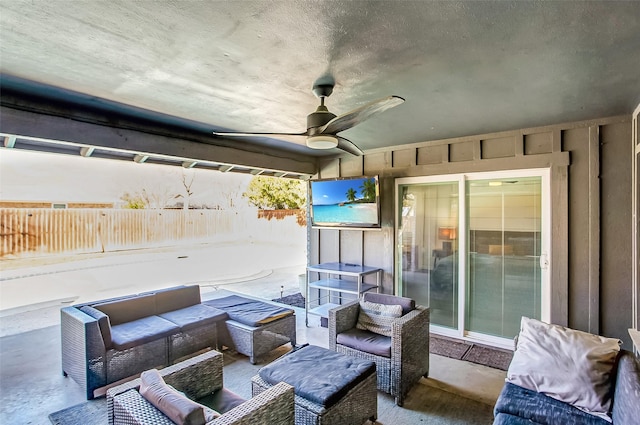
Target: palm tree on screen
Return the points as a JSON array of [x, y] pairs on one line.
[[368, 189], [351, 195]]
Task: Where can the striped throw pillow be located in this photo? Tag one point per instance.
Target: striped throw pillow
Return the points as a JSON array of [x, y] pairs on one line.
[[377, 318]]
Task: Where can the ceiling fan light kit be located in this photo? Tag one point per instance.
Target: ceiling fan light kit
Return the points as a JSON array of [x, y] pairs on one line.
[[322, 141], [323, 126]]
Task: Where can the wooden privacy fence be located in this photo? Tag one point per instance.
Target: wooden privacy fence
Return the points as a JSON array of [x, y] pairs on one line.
[[48, 231], [299, 214]]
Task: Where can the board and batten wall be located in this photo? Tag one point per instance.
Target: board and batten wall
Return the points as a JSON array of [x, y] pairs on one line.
[[591, 263]]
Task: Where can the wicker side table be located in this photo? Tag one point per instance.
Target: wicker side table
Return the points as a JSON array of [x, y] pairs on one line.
[[256, 341]]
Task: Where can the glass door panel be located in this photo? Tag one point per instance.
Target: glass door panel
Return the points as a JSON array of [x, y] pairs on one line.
[[503, 261], [428, 249]]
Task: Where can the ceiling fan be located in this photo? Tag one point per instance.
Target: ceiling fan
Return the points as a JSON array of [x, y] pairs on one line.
[[323, 126]]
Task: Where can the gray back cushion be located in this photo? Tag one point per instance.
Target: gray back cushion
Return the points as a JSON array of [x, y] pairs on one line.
[[103, 323], [407, 304], [128, 309], [176, 298]]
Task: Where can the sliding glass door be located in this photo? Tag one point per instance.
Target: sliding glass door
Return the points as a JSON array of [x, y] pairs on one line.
[[472, 248], [428, 245], [503, 260]]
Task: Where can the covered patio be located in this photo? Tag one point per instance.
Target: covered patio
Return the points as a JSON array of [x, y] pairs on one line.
[[458, 91], [33, 386]]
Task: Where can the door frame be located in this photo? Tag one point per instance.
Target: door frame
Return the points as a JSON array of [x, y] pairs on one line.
[[635, 248], [545, 255]]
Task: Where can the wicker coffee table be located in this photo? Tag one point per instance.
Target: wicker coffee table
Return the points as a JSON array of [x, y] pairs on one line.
[[254, 327], [330, 387]]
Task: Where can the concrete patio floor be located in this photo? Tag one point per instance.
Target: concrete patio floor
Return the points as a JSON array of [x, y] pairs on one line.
[[32, 283], [31, 381]]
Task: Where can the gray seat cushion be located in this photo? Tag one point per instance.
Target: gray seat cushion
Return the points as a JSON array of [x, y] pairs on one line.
[[319, 375], [539, 408], [363, 340], [222, 400], [194, 316], [248, 311], [506, 419], [137, 332]]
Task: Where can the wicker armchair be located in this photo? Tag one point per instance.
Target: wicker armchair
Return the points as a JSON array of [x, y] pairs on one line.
[[199, 378], [409, 350]]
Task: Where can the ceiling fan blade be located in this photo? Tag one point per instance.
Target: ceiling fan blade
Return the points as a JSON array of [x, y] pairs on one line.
[[240, 134], [348, 120], [348, 146]]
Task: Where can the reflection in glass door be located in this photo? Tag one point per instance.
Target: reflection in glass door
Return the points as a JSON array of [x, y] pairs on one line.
[[504, 234], [470, 248], [427, 240]]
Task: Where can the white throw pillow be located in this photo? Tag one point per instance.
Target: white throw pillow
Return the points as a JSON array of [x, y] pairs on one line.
[[572, 366], [378, 318]]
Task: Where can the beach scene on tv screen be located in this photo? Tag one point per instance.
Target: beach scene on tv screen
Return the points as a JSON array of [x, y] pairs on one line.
[[350, 201]]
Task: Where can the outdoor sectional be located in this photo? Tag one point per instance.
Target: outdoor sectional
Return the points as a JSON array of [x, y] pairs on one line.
[[109, 340]]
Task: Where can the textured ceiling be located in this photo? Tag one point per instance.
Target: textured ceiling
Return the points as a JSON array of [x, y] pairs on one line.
[[463, 67]]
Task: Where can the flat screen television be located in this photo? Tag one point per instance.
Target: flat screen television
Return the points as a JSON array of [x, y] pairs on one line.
[[352, 202]]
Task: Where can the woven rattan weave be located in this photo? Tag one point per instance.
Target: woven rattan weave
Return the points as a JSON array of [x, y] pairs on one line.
[[409, 359], [92, 362], [198, 377], [256, 341], [358, 405]]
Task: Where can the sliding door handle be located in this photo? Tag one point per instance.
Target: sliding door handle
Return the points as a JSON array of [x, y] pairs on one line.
[[544, 261]]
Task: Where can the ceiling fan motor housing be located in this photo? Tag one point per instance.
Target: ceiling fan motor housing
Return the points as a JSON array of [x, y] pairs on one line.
[[318, 119]]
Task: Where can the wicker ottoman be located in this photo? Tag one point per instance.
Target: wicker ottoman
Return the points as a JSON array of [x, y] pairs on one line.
[[330, 388]]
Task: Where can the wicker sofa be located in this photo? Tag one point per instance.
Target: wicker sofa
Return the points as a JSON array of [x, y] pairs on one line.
[[517, 405], [109, 340], [561, 375], [200, 378]]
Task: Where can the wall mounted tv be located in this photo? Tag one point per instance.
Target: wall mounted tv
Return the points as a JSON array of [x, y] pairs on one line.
[[352, 202]]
